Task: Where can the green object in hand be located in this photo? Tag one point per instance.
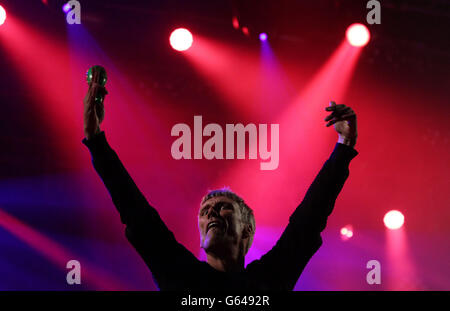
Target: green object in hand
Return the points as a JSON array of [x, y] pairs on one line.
[[102, 75], [101, 80]]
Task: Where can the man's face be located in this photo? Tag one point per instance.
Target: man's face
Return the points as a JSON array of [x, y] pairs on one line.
[[220, 225]]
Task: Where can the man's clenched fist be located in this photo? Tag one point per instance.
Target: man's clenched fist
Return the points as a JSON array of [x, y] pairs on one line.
[[344, 120], [94, 113]]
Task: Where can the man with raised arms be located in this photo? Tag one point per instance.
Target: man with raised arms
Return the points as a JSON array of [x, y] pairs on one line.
[[226, 224]]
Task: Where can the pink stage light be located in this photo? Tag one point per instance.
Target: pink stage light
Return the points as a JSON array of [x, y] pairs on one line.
[[346, 232], [181, 39], [2, 15], [394, 220], [358, 35]]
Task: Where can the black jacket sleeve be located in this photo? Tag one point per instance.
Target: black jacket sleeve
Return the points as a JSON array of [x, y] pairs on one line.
[[284, 263], [144, 227]]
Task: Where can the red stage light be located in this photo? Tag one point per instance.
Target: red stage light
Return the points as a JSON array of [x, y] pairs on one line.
[[2, 15], [235, 22], [245, 31], [394, 220], [358, 35], [181, 39]]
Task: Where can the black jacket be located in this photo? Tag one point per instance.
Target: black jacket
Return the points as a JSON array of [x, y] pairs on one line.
[[175, 268]]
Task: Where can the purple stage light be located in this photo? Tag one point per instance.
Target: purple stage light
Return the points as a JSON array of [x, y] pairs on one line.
[[66, 7], [263, 36]]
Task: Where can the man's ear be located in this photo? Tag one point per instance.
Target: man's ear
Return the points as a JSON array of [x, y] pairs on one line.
[[247, 232]]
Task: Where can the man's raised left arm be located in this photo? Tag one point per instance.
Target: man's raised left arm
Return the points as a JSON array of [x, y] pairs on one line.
[[284, 263]]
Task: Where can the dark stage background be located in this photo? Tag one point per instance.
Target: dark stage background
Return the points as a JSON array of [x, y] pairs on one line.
[[54, 208]]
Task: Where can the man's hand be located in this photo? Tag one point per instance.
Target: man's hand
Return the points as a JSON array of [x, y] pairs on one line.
[[344, 120], [94, 113]]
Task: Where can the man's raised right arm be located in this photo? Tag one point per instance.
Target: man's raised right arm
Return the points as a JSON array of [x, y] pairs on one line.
[[126, 196], [144, 227], [142, 220]]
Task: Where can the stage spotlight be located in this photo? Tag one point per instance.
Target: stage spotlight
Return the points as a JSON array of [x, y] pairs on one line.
[[245, 31], [358, 35], [346, 232], [2, 15], [181, 39], [235, 22], [66, 7], [394, 219], [263, 36]]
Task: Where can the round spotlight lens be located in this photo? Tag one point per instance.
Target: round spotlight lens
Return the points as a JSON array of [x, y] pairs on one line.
[[263, 36], [245, 31], [235, 22], [358, 35], [346, 232], [66, 7], [2, 15], [394, 220], [181, 39]]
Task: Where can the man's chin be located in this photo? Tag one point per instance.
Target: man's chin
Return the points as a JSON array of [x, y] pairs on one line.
[[214, 234], [212, 243]]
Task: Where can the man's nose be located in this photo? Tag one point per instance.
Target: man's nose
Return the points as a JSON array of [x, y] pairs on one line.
[[213, 211]]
